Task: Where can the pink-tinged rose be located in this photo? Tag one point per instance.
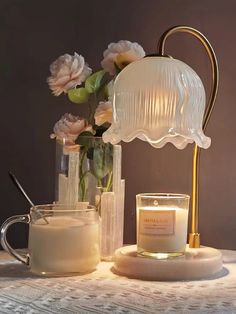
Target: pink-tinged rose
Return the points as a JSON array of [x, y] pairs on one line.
[[103, 113], [69, 127], [67, 72], [121, 54]]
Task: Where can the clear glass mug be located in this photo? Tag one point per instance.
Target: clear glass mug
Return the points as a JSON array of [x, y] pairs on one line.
[[63, 240], [162, 223]]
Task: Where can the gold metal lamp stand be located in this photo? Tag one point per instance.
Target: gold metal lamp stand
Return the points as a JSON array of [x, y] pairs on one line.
[[194, 236]]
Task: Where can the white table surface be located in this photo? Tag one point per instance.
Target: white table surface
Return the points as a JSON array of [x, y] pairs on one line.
[[104, 292]]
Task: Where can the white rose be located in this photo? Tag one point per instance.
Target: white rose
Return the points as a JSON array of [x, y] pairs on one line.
[[103, 113], [67, 72], [69, 127], [121, 53]]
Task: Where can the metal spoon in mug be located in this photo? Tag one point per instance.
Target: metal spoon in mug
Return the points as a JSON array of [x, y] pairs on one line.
[[22, 191]]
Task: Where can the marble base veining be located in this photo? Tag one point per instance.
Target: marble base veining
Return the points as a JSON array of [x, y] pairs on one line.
[[195, 264]]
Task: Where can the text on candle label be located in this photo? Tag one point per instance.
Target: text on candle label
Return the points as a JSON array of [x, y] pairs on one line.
[[157, 222]]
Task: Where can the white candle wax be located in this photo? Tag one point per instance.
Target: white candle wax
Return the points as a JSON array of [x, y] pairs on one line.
[[161, 229], [64, 245]]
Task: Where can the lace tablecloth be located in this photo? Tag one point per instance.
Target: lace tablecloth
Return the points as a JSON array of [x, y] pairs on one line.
[[104, 292]]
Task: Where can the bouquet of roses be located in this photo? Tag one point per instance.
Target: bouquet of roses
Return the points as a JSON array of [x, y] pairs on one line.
[[72, 76]]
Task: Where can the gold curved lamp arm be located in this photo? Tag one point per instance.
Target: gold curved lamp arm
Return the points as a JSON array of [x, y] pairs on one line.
[[194, 237]]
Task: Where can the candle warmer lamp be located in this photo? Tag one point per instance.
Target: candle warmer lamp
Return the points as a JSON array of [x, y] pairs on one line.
[[160, 99]]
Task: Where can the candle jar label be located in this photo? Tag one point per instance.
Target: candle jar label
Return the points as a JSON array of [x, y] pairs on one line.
[[157, 222]]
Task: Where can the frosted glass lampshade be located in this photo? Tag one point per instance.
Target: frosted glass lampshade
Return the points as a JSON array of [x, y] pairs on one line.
[[158, 100]]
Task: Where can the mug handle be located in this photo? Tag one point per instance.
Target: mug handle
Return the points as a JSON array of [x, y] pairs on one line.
[[24, 258]]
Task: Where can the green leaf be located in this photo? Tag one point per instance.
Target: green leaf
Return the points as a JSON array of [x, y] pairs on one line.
[[85, 139], [106, 91], [90, 153], [86, 133], [117, 68], [93, 82], [100, 130], [78, 95], [102, 160]]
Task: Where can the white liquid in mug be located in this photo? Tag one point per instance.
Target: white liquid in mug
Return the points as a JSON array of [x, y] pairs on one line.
[[64, 245]]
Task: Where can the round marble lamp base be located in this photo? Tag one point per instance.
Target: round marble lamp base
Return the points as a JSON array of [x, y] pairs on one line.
[[193, 265]]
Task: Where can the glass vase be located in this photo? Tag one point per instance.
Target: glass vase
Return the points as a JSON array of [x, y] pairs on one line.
[[89, 173]]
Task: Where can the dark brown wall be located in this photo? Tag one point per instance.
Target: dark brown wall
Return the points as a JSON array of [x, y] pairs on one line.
[[34, 33]]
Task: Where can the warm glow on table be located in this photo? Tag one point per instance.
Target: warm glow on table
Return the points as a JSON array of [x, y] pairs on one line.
[[104, 292]]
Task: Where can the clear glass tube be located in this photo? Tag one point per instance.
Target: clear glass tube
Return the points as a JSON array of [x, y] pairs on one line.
[[83, 171]]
